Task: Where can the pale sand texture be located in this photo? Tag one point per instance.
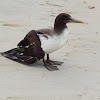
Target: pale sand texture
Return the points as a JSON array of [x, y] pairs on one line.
[[78, 78]]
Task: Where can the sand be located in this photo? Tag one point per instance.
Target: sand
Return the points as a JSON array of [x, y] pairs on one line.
[[78, 78]]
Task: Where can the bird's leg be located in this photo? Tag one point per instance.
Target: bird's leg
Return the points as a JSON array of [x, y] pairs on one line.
[[49, 66], [53, 62]]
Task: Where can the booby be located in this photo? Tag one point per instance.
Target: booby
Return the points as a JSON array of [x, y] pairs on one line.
[[38, 43]]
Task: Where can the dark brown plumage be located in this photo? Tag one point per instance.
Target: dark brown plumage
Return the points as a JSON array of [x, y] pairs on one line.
[[29, 50]]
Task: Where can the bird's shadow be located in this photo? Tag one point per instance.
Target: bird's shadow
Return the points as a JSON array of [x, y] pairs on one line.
[[38, 64]]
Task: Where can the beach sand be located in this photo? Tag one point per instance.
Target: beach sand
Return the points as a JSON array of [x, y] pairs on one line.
[[78, 78]]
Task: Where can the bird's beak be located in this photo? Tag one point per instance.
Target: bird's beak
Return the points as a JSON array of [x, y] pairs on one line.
[[72, 20]]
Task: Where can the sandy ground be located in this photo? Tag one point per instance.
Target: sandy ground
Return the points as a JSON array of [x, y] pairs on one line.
[[78, 78]]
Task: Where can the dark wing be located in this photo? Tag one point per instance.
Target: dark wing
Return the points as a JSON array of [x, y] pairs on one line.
[[28, 51]]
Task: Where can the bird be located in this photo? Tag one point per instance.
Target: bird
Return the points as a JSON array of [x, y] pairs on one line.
[[38, 43]]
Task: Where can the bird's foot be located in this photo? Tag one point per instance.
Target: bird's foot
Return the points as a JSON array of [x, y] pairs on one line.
[[50, 66], [54, 62]]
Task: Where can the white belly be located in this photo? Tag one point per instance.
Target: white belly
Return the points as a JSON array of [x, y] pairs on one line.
[[54, 43]]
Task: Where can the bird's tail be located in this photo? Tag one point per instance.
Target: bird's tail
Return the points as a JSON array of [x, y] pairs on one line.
[[17, 56]]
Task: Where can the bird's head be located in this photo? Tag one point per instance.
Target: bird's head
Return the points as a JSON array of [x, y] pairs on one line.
[[61, 20], [64, 18]]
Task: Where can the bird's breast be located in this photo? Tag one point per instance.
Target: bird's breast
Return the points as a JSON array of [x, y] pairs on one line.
[[53, 43]]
